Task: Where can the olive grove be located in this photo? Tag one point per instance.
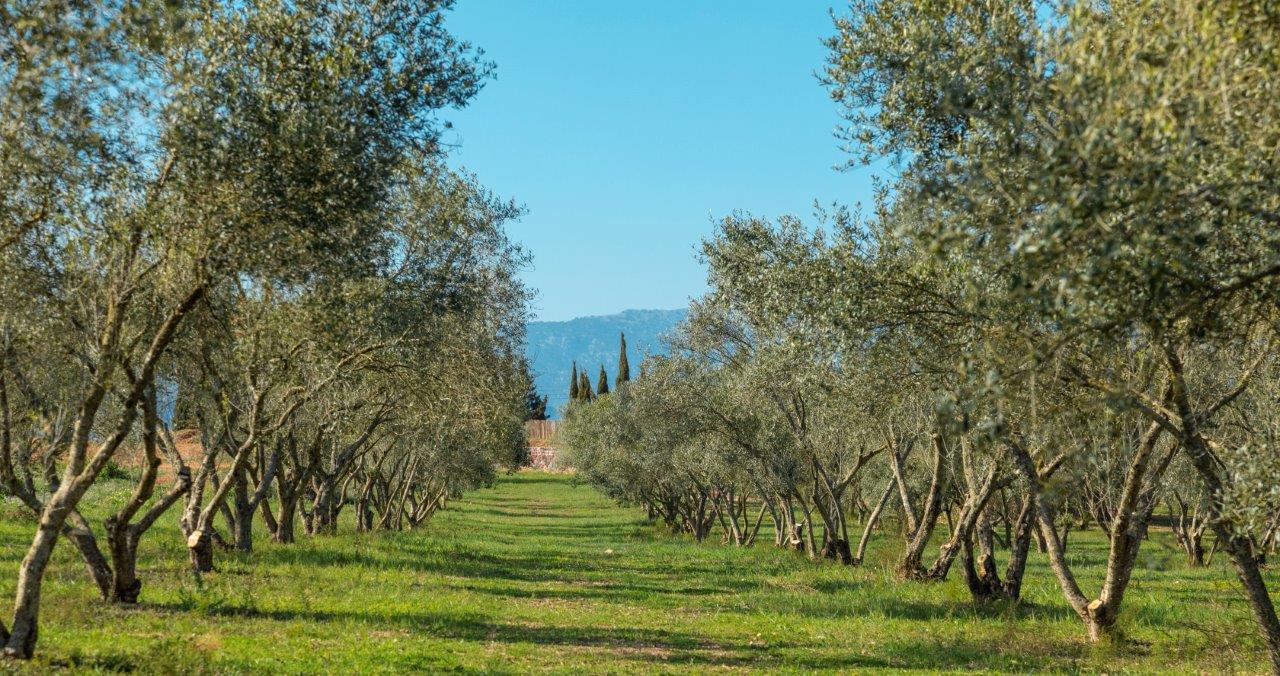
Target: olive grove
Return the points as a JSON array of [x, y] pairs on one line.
[[235, 218], [1060, 313]]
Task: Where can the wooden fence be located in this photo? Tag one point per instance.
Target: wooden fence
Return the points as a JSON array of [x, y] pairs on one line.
[[541, 433]]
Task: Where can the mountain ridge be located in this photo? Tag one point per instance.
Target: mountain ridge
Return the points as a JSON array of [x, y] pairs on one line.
[[592, 340]]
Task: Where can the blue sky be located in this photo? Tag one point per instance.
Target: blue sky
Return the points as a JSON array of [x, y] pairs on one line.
[[626, 129]]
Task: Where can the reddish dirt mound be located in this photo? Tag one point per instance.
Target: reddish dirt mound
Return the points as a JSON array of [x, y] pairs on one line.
[[189, 447]]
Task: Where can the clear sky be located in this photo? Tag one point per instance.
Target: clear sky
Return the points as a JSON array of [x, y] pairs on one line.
[[627, 128]]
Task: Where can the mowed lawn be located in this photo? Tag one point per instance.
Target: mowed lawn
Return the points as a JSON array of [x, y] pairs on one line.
[[540, 574]]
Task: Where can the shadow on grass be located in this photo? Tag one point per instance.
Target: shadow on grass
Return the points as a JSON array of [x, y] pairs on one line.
[[630, 643], [596, 590], [609, 580]]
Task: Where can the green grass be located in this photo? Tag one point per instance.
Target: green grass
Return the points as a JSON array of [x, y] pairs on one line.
[[538, 574]]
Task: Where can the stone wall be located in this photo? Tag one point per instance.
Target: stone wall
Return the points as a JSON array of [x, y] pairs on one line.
[[542, 458], [542, 450]]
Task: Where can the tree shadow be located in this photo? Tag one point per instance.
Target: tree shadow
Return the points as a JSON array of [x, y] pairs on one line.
[[628, 643]]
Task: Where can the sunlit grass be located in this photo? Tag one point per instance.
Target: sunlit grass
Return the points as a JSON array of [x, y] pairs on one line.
[[538, 574]]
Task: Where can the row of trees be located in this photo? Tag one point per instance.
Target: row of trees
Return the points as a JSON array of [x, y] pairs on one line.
[[1062, 311], [235, 217], [580, 383]]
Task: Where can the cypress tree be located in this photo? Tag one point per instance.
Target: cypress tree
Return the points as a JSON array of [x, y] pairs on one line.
[[573, 383], [535, 405], [624, 366], [584, 386], [603, 386]]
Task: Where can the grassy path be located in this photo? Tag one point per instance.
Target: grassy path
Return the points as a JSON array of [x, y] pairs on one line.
[[537, 574]]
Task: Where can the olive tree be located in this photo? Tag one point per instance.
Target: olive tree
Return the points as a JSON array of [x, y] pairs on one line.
[[1111, 167], [219, 164]]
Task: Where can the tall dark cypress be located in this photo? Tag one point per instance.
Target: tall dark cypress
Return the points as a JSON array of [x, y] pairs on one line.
[[584, 386], [603, 386], [535, 405], [573, 383], [624, 366]]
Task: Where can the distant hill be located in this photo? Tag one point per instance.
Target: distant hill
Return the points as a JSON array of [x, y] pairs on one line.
[[592, 341]]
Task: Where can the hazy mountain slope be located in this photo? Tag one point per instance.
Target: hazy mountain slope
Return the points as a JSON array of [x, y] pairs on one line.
[[592, 341]]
